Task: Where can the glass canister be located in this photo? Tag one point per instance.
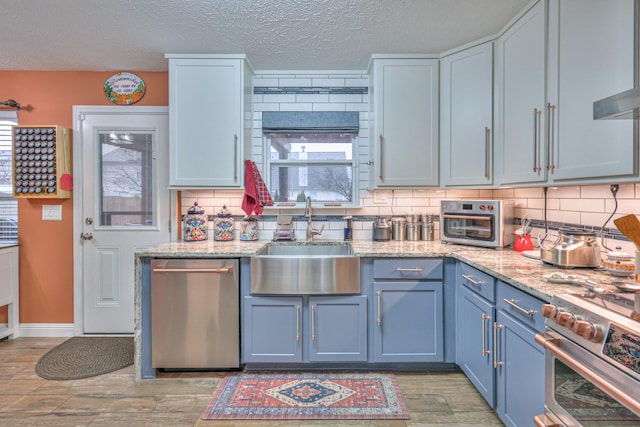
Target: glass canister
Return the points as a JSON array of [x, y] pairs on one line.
[[249, 229], [194, 227], [224, 226]]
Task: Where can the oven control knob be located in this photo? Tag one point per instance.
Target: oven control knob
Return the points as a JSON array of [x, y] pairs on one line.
[[565, 318], [588, 330], [549, 311]]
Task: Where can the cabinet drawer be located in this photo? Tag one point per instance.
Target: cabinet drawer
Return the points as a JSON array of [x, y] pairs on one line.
[[520, 305], [477, 281], [408, 268]]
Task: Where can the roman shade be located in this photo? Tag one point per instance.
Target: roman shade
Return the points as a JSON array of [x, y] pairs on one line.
[[310, 121]]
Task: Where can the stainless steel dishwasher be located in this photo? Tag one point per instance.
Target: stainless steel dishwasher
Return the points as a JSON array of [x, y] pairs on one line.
[[195, 319]]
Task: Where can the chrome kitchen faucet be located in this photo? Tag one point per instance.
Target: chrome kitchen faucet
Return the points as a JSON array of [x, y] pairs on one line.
[[308, 213]]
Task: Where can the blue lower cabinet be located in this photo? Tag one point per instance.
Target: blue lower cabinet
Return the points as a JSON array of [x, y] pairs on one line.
[[474, 341], [272, 329], [337, 329], [408, 322], [330, 329], [520, 374]]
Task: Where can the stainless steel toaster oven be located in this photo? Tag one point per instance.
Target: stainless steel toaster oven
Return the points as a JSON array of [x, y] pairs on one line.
[[488, 223]]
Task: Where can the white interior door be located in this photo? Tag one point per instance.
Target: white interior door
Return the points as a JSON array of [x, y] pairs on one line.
[[125, 207]]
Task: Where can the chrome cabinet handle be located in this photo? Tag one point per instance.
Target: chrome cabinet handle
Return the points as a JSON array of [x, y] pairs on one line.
[[379, 317], [381, 157], [550, 135], [297, 323], [235, 156], [524, 311], [536, 140], [409, 270], [313, 322], [484, 339], [496, 363], [193, 270], [487, 148], [473, 282]]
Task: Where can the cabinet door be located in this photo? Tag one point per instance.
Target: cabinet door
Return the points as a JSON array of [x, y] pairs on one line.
[[205, 122], [338, 329], [408, 322], [466, 113], [474, 343], [272, 329], [520, 99], [405, 140], [520, 373], [590, 57]]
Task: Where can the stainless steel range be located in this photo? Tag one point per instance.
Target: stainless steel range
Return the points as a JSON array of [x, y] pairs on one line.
[[592, 351]]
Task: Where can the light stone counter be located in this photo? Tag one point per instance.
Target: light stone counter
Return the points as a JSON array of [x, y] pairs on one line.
[[507, 265]]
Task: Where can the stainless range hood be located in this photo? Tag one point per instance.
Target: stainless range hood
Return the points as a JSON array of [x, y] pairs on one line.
[[624, 105]]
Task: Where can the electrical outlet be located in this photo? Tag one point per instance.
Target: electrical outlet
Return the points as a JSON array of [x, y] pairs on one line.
[[379, 198]]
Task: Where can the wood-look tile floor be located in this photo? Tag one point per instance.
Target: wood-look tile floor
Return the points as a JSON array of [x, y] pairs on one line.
[[180, 399]]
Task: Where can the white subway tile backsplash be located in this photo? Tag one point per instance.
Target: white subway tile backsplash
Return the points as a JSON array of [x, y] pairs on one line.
[[295, 82], [585, 205], [327, 82]]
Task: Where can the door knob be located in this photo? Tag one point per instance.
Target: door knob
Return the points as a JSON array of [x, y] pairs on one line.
[[86, 236]]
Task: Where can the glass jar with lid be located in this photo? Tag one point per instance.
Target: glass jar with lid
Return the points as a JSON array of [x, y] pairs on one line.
[[224, 226]]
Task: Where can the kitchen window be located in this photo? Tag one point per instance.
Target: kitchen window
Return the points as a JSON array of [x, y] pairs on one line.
[[8, 205], [311, 154]]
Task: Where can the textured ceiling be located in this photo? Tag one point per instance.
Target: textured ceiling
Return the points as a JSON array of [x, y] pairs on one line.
[[275, 34]]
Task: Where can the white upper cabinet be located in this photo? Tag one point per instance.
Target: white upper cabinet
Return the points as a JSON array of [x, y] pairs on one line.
[[466, 103], [404, 143], [209, 96], [520, 99], [545, 131], [591, 57]]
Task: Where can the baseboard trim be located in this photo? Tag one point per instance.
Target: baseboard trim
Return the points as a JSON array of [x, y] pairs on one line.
[[45, 330]]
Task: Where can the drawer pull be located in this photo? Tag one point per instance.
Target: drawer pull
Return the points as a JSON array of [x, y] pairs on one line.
[[513, 304], [473, 282], [379, 318], [409, 270]]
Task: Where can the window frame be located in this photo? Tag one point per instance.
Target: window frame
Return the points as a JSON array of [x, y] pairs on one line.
[[8, 119], [352, 163]]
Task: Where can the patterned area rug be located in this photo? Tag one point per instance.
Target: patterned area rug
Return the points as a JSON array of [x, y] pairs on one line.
[[289, 396]]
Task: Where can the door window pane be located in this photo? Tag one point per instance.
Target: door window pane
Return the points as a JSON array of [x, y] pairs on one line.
[[126, 179]]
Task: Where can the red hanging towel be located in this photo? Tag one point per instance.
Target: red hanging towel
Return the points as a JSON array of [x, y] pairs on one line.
[[250, 199], [256, 193], [264, 197]]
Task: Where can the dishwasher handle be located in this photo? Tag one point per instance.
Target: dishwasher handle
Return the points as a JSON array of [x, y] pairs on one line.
[[194, 270]]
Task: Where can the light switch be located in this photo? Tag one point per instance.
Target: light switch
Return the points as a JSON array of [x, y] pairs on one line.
[[52, 212]]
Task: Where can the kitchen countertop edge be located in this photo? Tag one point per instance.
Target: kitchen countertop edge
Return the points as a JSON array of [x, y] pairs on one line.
[[506, 265]]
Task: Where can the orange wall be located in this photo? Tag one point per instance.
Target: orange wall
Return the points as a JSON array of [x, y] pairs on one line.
[[46, 248]]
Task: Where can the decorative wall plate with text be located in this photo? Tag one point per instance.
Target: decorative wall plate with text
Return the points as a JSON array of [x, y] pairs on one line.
[[124, 88]]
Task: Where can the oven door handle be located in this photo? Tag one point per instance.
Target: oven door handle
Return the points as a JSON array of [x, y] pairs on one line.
[[480, 217], [551, 343]]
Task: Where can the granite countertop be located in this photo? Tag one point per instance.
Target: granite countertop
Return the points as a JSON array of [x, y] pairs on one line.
[[507, 265]]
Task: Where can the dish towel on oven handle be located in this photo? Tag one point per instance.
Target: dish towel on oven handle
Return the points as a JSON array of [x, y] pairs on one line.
[[256, 193]]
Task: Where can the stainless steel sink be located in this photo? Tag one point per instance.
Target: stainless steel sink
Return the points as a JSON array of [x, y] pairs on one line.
[[305, 269]]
